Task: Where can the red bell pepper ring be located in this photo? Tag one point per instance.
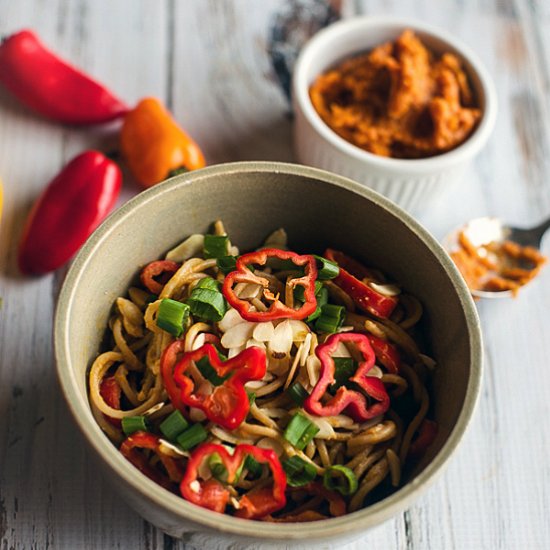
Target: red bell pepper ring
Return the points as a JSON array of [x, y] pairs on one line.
[[426, 436], [212, 494], [51, 86], [160, 268], [144, 440], [385, 353], [349, 279], [169, 359], [277, 309], [110, 391], [228, 404], [75, 202], [351, 400]]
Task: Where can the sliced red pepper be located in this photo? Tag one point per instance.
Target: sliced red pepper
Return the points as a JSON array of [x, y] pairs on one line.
[[160, 268], [385, 353], [426, 436], [212, 494], [52, 87], [349, 279], [337, 505], [351, 400], [110, 391], [75, 202], [144, 440], [168, 361], [277, 309], [228, 404]]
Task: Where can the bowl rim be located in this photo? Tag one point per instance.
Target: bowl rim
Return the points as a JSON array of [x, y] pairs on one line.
[[338, 31], [178, 507]]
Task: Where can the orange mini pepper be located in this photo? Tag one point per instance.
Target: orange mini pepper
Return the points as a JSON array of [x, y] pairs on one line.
[[154, 146]]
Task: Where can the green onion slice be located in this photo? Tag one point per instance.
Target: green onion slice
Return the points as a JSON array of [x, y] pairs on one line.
[[172, 316], [253, 466], [344, 369], [251, 397], [209, 372], [298, 471], [297, 393], [132, 424], [207, 304], [299, 291], [173, 425], [322, 299], [341, 479], [325, 268], [216, 246], [331, 318], [227, 264], [207, 282], [300, 431], [217, 467], [192, 437]]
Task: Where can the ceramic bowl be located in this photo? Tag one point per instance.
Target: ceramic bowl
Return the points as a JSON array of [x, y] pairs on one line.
[[413, 184], [317, 209]]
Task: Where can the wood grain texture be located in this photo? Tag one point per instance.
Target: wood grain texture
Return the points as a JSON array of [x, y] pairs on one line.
[[208, 60]]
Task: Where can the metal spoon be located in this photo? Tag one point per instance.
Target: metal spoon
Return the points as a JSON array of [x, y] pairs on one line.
[[482, 231]]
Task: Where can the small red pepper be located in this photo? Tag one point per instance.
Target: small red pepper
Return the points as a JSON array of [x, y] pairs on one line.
[[75, 202], [277, 309], [228, 404], [349, 279], [110, 391], [426, 436], [213, 495], [145, 440], [51, 86], [159, 268], [354, 401]]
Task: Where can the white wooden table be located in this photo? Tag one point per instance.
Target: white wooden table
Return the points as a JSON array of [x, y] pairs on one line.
[[210, 61]]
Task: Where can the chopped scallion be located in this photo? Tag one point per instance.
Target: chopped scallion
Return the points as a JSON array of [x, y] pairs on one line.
[[325, 268], [297, 393], [331, 318], [251, 397], [253, 466], [298, 471], [344, 369], [206, 300], [209, 372], [299, 291], [322, 299], [227, 264], [341, 479], [216, 246], [217, 467], [192, 437], [173, 425], [300, 431], [132, 424], [172, 315], [209, 283]]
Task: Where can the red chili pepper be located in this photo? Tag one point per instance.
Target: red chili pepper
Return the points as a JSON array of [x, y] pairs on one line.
[[349, 279], [159, 268], [354, 401], [75, 202], [426, 436], [110, 392], [385, 353], [51, 86], [228, 404], [277, 310], [145, 440], [213, 495]]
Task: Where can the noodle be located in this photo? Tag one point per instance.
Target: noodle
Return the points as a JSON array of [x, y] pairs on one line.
[[374, 448]]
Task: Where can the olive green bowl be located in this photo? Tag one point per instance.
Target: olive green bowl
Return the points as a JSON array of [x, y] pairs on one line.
[[318, 209]]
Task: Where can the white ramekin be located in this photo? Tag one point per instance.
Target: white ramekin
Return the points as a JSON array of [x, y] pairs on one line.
[[413, 184]]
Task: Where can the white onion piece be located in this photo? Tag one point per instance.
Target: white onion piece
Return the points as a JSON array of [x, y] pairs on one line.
[[195, 486], [313, 367], [281, 343], [277, 239], [228, 438], [248, 290], [263, 332], [233, 250], [251, 343], [341, 351], [305, 349], [198, 341], [375, 372], [172, 450], [270, 443], [230, 319], [191, 247], [237, 335], [299, 330], [326, 431], [386, 290], [154, 408], [233, 352]]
